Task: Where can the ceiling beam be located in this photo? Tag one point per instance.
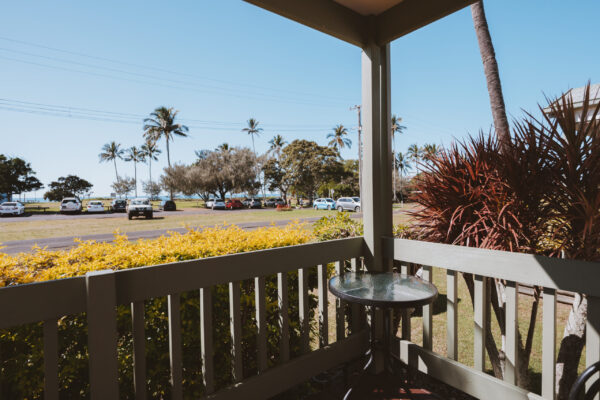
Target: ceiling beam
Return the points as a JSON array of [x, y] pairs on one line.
[[411, 15], [323, 15]]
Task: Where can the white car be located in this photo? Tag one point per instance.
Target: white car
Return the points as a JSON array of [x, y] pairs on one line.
[[95, 206], [348, 204], [139, 207], [218, 204], [209, 203], [70, 205], [12, 208]]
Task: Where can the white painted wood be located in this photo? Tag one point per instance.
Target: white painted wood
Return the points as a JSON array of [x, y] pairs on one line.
[[340, 307], [176, 364], [549, 344], [102, 334], [512, 302], [139, 350], [261, 323], [323, 312], [51, 359], [206, 340], [554, 273], [235, 323], [162, 280], [357, 315], [480, 316], [284, 319], [303, 313], [427, 315], [592, 337], [298, 370], [452, 314], [478, 384]]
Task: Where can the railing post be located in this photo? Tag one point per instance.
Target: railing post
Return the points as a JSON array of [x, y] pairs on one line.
[[427, 315], [512, 357], [592, 337], [481, 320], [102, 334], [549, 344], [452, 314]]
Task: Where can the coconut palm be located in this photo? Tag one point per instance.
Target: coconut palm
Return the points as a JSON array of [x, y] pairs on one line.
[[111, 152], [430, 151], [397, 128], [277, 144], [338, 138], [402, 165], [415, 153], [253, 130], [161, 124], [136, 155], [151, 152]]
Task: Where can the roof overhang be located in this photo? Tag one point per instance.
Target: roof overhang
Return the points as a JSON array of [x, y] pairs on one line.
[[361, 22]]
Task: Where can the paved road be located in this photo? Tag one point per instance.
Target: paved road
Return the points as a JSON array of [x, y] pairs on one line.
[[59, 243]]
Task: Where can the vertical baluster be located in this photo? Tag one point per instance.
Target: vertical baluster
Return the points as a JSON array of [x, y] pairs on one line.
[[406, 329], [284, 319], [236, 330], [139, 349], [303, 310], [592, 337], [51, 359], [549, 344], [261, 322], [340, 307], [357, 315], [452, 314], [206, 340], [512, 303], [481, 316], [427, 315], [174, 302], [323, 316]]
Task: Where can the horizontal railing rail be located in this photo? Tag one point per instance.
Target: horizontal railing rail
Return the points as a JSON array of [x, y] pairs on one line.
[[551, 274]]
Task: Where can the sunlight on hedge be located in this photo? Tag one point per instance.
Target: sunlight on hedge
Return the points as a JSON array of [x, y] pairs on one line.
[[43, 265]]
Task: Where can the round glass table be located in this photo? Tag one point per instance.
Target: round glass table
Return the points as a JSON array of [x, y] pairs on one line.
[[383, 290]]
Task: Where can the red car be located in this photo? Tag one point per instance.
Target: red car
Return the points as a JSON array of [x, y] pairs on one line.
[[233, 204]]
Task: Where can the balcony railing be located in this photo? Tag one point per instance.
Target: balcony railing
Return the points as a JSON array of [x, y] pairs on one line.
[[99, 293]]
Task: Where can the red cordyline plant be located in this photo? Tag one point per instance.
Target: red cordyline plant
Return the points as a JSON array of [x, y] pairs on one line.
[[539, 193]]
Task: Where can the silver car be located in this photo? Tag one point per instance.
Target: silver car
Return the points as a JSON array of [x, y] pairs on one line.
[[348, 204]]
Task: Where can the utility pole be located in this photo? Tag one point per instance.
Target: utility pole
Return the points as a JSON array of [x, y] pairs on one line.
[[358, 108]]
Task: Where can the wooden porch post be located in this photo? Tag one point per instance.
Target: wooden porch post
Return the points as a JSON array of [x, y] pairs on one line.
[[377, 183]]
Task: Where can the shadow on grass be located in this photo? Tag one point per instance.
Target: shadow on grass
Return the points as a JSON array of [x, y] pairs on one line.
[[439, 306]]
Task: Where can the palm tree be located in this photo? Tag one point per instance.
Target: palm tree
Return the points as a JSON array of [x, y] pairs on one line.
[[253, 130], [161, 124], [277, 144], [136, 155], [222, 147], [338, 138], [402, 165], [430, 151], [111, 152], [396, 129], [151, 152], [490, 68], [415, 154]]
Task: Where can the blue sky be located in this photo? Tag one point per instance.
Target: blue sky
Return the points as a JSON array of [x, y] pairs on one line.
[[221, 62]]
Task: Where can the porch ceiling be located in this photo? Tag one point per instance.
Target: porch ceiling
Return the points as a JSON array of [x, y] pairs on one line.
[[360, 22]]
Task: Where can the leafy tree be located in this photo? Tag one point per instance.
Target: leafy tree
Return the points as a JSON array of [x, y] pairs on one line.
[[69, 186], [202, 154], [16, 176], [397, 128], [151, 152], [402, 165], [309, 166], [277, 177], [152, 189], [345, 183], [415, 154], [223, 146], [111, 152], [276, 145], [124, 186], [339, 138], [429, 152]]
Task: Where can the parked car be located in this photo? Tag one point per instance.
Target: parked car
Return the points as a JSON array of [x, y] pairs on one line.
[[218, 204], [139, 207], [324, 204], [118, 205], [246, 202], [168, 205], [233, 204], [209, 203], [274, 202], [255, 203], [70, 205], [12, 208], [95, 206], [348, 203]]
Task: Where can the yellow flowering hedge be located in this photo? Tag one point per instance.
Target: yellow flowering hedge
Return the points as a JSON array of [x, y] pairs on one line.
[[21, 348]]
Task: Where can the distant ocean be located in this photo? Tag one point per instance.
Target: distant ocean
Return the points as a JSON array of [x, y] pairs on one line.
[[33, 199]]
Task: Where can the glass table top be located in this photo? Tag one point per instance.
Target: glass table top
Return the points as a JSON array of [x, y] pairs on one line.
[[384, 289]]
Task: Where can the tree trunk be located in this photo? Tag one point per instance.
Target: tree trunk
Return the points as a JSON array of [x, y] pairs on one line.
[[116, 173], [490, 67], [571, 347], [169, 164], [135, 177]]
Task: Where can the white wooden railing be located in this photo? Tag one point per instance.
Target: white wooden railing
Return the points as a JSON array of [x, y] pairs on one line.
[[551, 273], [99, 293]]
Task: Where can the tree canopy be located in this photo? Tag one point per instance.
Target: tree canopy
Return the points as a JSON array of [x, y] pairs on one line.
[[16, 176], [69, 186]]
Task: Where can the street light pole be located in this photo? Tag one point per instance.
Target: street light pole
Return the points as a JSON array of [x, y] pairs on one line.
[[358, 108]]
